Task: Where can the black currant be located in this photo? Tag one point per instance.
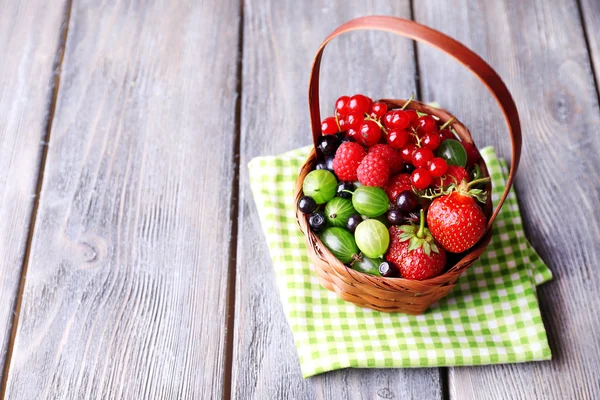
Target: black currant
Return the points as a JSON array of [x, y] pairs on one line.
[[407, 201], [307, 204], [325, 164], [317, 222], [353, 222], [408, 168], [395, 217], [388, 270], [348, 139], [343, 188], [328, 144]]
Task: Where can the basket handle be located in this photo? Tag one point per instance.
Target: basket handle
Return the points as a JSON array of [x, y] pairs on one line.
[[422, 33]]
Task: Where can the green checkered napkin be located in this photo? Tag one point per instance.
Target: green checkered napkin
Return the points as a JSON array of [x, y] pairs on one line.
[[490, 317]]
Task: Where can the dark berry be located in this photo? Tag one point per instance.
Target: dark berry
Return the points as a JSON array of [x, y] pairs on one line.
[[395, 217], [407, 201], [340, 136], [353, 222], [326, 164], [328, 144], [307, 204], [348, 138], [408, 168], [316, 221], [388, 270], [343, 188]]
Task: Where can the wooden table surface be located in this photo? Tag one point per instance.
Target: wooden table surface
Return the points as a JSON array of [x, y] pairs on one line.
[[133, 264]]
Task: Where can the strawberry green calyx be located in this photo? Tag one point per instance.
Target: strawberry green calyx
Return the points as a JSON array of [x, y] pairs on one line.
[[419, 236], [465, 189]]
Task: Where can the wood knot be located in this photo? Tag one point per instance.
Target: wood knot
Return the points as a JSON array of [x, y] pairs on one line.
[[385, 393], [90, 254]]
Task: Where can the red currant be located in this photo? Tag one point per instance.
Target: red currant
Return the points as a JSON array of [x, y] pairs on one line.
[[412, 114], [359, 103], [341, 105], [397, 119], [446, 134], [438, 167], [352, 133], [407, 153], [343, 124], [421, 157], [431, 141], [397, 138], [369, 134], [472, 153], [426, 124], [421, 178], [378, 110], [354, 120], [329, 126]]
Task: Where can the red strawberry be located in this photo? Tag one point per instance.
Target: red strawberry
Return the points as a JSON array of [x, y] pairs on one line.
[[414, 251], [397, 185], [455, 220], [347, 158], [373, 171], [390, 155], [454, 175]]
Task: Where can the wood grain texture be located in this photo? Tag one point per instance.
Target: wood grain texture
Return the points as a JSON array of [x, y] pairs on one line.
[[27, 62], [590, 10], [279, 44], [125, 293], [539, 49]]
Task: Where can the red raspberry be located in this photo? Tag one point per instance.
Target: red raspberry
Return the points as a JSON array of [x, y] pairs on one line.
[[388, 154], [373, 171], [397, 185], [347, 158], [453, 174]]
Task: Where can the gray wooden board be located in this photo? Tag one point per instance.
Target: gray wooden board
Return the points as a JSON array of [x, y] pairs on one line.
[[538, 48], [126, 288], [279, 44], [590, 10], [27, 59]]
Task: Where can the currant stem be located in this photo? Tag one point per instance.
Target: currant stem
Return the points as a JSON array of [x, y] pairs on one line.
[[421, 232], [411, 98], [477, 181], [447, 123]]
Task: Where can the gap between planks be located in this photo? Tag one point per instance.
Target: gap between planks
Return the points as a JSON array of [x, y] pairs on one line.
[[588, 48], [233, 216], [57, 66]]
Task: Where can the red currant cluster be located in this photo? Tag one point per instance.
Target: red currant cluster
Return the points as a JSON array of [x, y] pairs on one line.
[[417, 144]]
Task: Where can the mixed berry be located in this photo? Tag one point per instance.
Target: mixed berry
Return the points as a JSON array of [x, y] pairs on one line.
[[393, 190]]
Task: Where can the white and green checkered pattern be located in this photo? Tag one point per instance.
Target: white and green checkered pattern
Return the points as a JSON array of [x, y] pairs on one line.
[[491, 316]]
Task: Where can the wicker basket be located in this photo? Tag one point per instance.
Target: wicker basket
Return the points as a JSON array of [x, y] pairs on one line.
[[398, 294]]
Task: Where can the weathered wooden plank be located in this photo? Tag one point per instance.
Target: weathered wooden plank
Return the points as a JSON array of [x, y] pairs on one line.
[[538, 47], [279, 43], [125, 293], [590, 14], [27, 62]]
